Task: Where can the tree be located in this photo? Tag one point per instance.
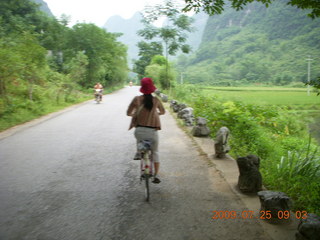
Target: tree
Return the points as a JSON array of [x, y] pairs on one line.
[[172, 34], [33, 58], [78, 68], [158, 71], [316, 84], [106, 56], [212, 7], [20, 16], [146, 52]]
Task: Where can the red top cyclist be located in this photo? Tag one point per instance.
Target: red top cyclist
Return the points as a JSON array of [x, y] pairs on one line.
[[145, 111]]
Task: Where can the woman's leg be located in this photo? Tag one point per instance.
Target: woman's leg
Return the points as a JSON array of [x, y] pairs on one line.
[[156, 168], [142, 133], [155, 152]]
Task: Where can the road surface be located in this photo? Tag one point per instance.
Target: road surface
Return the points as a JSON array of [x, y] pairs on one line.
[[72, 177]]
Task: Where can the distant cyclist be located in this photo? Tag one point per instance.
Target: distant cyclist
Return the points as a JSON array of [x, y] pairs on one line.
[[145, 111], [98, 90]]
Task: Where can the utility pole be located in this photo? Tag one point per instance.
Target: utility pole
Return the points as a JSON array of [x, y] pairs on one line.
[[181, 78], [309, 69]]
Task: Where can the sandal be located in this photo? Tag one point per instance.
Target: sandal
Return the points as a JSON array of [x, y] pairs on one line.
[[156, 180], [137, 156]]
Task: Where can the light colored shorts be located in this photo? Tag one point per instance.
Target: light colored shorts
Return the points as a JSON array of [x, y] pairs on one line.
[[151, 134]]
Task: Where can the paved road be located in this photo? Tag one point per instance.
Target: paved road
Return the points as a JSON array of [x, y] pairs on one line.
[[72, 178]]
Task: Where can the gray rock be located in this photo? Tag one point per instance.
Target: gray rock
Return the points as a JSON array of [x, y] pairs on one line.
[[157, 92], [221, 142], [250, 179], [180, 106], [274, 202], [187, 115], [176, 107], [201, 129], [173, 103], [164, 97], [309, 228]]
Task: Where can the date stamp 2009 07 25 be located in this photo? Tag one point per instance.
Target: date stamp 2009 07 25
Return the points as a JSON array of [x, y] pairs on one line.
[[247, 214]]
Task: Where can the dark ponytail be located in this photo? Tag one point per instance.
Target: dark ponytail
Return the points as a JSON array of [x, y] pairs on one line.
[[148, 101]]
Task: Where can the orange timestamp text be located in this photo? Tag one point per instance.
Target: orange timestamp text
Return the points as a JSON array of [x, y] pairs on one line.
[[263, 214]]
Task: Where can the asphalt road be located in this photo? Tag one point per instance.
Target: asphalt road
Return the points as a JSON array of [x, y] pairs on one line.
[[71, 177]]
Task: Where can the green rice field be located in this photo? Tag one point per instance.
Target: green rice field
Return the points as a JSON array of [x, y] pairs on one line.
[[295, 99], [268, 95]]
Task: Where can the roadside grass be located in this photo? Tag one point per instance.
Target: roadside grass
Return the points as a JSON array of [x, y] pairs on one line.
[[271, 123], [23, 112]]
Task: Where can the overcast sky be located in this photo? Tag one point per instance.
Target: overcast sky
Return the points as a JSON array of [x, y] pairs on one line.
[[97, 11]]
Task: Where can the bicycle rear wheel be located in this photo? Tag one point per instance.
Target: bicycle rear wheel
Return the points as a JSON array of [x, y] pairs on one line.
[[147, 190]]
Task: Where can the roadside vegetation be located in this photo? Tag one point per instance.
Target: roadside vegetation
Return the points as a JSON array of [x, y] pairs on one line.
[[46, 65], [277, 122], [277, 132]]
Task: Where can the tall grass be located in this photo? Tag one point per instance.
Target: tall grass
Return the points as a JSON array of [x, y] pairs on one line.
[[298, 174], [21, 110], [304, 164]]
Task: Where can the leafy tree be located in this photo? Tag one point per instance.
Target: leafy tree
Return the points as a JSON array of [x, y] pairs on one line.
[[106, 56], [212, 7], [158, 72], [146, 52], [9, 67], [316, 84], [77, 68], [172, 34], [20, 16], [33, 57], [54, 38], [22, 61]]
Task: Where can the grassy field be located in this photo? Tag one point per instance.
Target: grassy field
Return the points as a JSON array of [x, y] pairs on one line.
[[278, 135], [297, 97]]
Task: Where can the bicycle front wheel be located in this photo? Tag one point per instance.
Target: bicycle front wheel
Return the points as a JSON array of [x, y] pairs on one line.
[[147, 190]]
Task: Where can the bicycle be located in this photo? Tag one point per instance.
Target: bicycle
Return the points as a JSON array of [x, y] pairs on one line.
[[146, 165], [98, 95]]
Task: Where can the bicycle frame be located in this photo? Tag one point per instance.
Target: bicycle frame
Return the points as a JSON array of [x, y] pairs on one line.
[[146, 165]]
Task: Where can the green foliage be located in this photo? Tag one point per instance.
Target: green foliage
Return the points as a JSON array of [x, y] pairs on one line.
[[157, 70], [77, 68], [298, 174], [316, 84], [173, 33], [270, 132], [146, 52], [172, 36], [160, 60], [212, 7], [19, 16], [106, 57]]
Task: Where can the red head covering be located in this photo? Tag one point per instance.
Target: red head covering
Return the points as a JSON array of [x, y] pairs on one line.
[[147, 86]]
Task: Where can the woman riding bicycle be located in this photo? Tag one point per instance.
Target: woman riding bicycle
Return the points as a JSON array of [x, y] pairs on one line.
[[145, 111]]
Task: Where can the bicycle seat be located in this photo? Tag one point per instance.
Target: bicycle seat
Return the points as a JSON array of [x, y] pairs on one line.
[[144, 145]]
